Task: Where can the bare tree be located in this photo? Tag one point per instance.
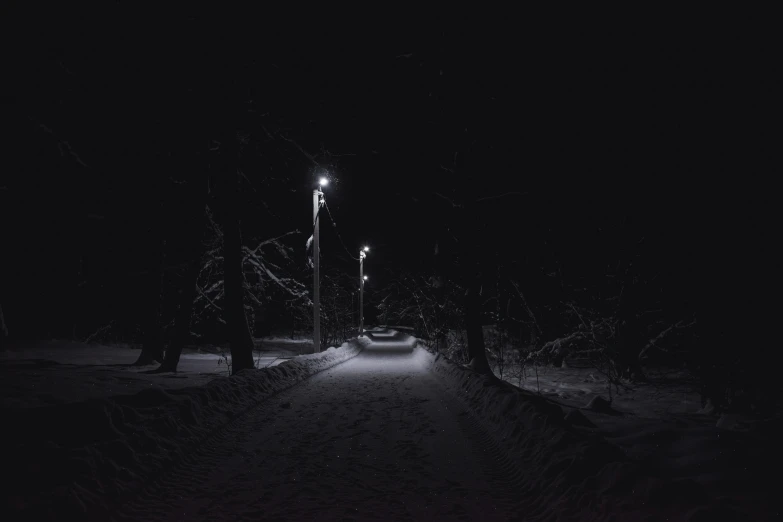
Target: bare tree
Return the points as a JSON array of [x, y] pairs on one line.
[[3, 328], [337, 323], [239, 338], [433, 309], [152, 347], [194, 208], [472, 275], [240, 341]]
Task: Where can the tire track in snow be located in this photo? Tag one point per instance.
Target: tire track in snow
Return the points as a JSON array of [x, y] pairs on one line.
[[503, 469], [502, 472]]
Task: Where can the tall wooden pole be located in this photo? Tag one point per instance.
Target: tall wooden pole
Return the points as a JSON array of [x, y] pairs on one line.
[[361, 294], [316, 274]]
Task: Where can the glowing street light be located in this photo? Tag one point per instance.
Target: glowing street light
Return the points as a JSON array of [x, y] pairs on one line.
[[323, 182], [365, 278]]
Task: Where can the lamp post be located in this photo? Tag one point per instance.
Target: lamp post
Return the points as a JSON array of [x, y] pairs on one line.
[[362, 279], [318, 198]]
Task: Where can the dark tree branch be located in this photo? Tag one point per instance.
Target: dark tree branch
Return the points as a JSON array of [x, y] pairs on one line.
[[488, 198], [61, 144], [453, 204]]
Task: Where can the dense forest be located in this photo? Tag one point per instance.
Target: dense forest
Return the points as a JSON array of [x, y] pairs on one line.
[[543, 198]]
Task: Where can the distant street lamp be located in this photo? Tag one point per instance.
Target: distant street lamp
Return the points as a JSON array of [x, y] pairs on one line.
[[362, 279]]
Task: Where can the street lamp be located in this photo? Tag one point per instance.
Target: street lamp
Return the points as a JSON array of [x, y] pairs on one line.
[[362, 279], [318, 200]]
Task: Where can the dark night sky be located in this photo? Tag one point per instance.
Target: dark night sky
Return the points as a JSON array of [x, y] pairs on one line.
[[597, 127]]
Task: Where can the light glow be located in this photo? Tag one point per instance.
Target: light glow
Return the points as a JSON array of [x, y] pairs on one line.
[[323, 182], [366, 249], [365, 278]]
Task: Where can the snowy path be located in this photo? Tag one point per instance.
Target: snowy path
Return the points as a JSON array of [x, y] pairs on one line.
[[374, 438]]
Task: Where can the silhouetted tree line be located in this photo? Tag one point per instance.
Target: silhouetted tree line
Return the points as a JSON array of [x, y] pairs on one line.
[[148, 195], [558, 207]]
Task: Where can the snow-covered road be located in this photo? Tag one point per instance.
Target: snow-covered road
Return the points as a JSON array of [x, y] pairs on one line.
[[374, 438]]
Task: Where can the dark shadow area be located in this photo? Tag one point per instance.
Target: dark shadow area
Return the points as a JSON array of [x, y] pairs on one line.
[[383, 350], [24, 364]]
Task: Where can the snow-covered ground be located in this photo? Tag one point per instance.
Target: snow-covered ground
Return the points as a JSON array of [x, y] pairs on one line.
[[76, 459], [616, 465], [59, 372], [373, 430], [668, 392], [661, 422]]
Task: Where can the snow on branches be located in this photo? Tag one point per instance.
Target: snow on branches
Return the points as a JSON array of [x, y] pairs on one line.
[[266, 271]]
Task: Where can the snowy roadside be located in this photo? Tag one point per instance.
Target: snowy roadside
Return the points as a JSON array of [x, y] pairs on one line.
[[77, 460], [60, 372], [635, 467], [69, 460]]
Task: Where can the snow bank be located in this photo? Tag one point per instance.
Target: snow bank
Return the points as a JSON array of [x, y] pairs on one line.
[[75, 461], [562, 466]]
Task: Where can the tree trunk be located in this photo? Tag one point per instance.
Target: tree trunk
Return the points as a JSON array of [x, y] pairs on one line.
[[239, 336], [630, 333], [77, 306], [152, 347], [187, 295], [476, 350], [3, 329], [472, 275], [630, 347]]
